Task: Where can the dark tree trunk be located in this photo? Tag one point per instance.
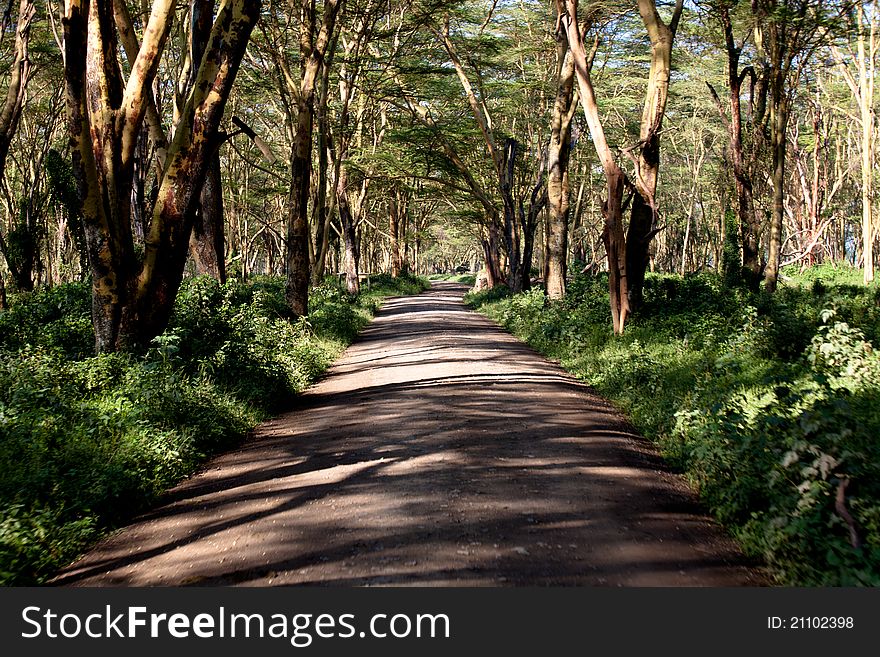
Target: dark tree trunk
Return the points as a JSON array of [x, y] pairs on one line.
[[207, 243], [749, 224], [512, 241], [638, 244], [297, 227], [615, 248], [779, 109], [529, 229], [492, 252], [321, 221], [778, 146], [22, 251], [628, 256]]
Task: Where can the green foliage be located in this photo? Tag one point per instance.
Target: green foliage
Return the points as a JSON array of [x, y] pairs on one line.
[[730, 264], [87, 441], [62, 183], [767, 403], [57, 318]]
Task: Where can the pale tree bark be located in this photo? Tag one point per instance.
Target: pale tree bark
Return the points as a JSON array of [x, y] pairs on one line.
[[132, 300], [349, 234], [615, 179], [628, 255], [350, 204], [559, 152], [747, 213], [643, 224]]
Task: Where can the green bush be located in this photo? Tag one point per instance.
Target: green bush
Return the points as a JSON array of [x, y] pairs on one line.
[[767, 403], [56, 318]]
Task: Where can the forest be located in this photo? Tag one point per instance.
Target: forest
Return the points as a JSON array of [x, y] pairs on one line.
[[204, 201]]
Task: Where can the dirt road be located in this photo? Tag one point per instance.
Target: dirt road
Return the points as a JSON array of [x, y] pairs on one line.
[[438, 451]]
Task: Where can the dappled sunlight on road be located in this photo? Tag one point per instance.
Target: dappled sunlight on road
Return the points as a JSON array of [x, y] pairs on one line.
[[438, 451]]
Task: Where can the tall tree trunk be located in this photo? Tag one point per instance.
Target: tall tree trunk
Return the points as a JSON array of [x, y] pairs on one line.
[[862, 88], [778, 142], [298, 275], [321, 216], [643, 216], [627, 255], [403, 231], [559, 151], [615, 179], [512, 240], [21, 260], [747, 217], [20, 71], [503, 161], [394, 208], [491, 251], [207, 241], [312, 52], [349, 234], [529, 225]]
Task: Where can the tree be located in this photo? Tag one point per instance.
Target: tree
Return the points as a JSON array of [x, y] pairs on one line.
[[21, 253], [787, 32], [207, 243], [742, 165], [628, 254], [559, 152], [863, 59], [313, 50], [132, 296]]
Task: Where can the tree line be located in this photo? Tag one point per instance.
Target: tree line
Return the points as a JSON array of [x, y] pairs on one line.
[[141, 141]]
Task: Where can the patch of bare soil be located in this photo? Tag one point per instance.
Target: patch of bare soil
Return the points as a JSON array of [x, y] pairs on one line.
[[439, 450]]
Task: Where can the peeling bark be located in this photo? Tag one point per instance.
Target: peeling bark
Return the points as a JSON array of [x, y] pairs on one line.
[[132, 300]]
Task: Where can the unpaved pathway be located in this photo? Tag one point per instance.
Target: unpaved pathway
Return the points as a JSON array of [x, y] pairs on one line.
[[438, 451]]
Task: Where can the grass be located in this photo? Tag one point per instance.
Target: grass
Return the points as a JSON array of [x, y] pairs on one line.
[[769, 404], [88, 441]]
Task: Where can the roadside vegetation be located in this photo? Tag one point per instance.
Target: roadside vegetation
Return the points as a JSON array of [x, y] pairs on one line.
[[88, 441], [769, 404]]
